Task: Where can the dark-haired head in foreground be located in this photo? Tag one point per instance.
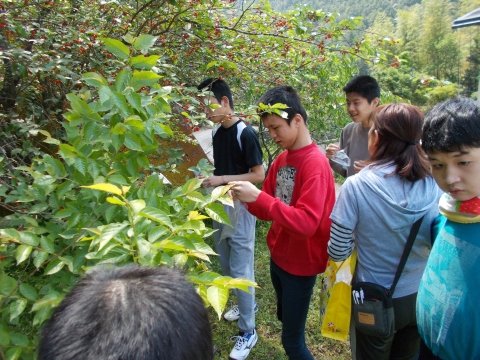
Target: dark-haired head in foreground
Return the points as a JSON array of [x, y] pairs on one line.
[[129, 313]]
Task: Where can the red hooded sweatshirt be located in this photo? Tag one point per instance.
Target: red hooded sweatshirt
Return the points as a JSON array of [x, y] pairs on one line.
[[298, 196]]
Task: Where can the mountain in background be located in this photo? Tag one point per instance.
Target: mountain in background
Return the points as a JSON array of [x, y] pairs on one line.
[[368, 9]]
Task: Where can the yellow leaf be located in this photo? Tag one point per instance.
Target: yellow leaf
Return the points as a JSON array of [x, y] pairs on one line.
[[217, 297], [125, 189], [115, 201], [104, 187], [195, 215]]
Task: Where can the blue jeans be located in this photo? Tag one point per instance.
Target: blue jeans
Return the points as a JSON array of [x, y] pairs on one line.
[[293, 298], [235, 245]]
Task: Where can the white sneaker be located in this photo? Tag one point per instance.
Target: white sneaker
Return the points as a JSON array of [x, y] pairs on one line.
[[244, 343], [233, 314]]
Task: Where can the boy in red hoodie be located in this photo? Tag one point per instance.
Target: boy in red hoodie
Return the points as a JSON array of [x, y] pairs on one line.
[[297, 197]]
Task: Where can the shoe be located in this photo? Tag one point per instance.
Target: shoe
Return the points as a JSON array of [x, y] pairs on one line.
[[233, 314], [244, 343]]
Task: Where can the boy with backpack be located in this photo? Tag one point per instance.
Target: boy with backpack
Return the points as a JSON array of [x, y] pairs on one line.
[[237, 156]]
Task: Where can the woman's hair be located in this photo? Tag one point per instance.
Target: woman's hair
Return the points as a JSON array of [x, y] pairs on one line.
[[399, 129]]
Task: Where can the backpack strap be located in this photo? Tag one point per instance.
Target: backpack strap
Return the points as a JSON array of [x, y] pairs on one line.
[[240, 127], [406, 252]]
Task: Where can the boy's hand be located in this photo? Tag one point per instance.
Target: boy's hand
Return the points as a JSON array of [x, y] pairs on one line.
[[213, 181], [359, 165], [244, 191], [331, 150]]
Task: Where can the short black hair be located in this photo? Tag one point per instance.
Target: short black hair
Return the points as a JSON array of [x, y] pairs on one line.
[[452, 125], [218, 87], [129, 313], [284, 95], [364, 85]]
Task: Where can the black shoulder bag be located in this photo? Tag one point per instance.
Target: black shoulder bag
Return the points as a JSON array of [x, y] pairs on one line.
[[372, 304]]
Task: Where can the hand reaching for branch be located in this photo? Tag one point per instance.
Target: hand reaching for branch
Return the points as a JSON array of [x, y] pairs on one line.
[[244, 191]]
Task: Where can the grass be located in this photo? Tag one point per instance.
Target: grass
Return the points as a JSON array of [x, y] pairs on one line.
[[269, 346]]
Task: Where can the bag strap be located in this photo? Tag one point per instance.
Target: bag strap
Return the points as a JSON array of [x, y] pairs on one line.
[[406, 252]]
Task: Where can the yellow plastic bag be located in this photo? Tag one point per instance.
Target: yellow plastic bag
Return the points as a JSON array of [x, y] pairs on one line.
[[336, 320]]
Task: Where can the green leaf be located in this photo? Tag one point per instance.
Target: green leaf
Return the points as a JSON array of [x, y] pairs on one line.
[[137, 205], [129, 38], [217, 297], [195, 225], [67, 260], [54, 167], [80, 165], [180, 260], [121, 103], [157, 232], [135, 122], [19, 339], [135, 100], [41, 316], [54, 267], [123, 78], [217, 213], [162, 105], [133, 142], [68, 151], [144, 248], [4, 336], [7, 284], [29, 238], [117, 48], [49, 301], [157, 216], [169, 244], [119, 129], [108, 232], [144, 42], [144, 62], [47, 244], [82, 108], [220, 191], [49, 139], [144, 78], [13, 353], [40, 258], [22, 253], [28, 291], [236, 283], [94, 79], [191, 185], [16, 308], [204, 248], [9, 235]]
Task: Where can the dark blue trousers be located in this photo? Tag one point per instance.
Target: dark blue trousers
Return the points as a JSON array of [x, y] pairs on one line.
[[293, 298]]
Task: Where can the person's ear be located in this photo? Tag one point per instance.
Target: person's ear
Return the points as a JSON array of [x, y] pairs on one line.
[[297, 120], [224, 102], [375, 102]]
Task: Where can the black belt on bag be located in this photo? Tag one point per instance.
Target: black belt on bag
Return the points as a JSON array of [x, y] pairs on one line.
[[372, 303]]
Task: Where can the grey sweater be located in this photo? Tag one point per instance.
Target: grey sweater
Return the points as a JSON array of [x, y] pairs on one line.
[[354, 141]]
